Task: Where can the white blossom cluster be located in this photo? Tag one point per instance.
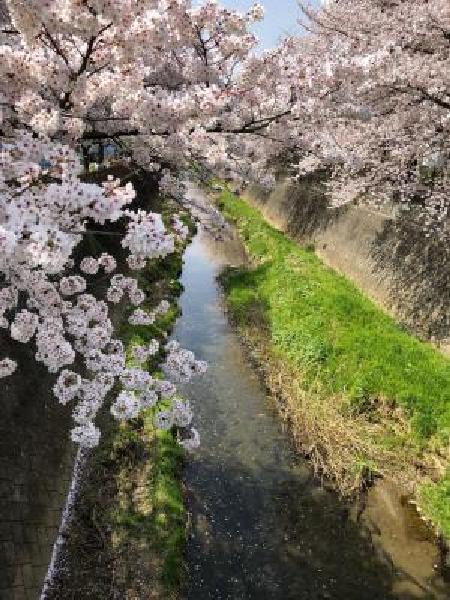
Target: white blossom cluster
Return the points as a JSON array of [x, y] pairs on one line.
[[121, 286], [143, 392], [7, 367], [179, 416], [91, 265], [67, 324], [147, 236], [142, 353], [140, 391], [24, 326], [141, 317], [74, 284], [181, 364]]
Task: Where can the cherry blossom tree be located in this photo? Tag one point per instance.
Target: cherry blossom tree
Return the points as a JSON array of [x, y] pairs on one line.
[[364, 94], [150, 71], [157, 77], [373, 104]]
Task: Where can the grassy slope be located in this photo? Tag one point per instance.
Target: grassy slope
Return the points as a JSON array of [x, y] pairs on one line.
[[340, 342]]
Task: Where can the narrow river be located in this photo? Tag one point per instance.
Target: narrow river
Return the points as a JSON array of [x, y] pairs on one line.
[[261, 525]]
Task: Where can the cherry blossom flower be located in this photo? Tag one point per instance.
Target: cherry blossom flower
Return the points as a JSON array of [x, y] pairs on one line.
[[135, 379], [181, 364], [89, 265], [72, 285], [140, 353], [182, 414], [148, 399], [153, 347], [164, 420], [163, 307], [24, 326], [166, 389], [140, 317], [108, 263], [7, 367], [126, 406], [67, 386]]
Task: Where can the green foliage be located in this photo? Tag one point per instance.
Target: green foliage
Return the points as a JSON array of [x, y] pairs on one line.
[[434, 498], [160, 520], [321, 322], [169, 511]]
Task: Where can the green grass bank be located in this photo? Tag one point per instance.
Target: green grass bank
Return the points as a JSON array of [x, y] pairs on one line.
[[364, 398]]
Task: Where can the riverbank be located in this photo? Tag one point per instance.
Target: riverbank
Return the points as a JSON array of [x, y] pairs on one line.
[[403, 270], [127, 530], [364, 398]]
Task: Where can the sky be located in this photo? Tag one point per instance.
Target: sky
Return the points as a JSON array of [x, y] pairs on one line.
[[281, 18]]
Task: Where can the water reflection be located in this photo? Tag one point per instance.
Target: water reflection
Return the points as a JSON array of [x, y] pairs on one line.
[[261, 526]]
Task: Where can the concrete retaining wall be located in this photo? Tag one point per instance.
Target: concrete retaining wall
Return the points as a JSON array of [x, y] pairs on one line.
[[36, 457], [403, 271]]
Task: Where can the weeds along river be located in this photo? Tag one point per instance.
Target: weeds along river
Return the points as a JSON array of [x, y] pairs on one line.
[[261, 525]]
